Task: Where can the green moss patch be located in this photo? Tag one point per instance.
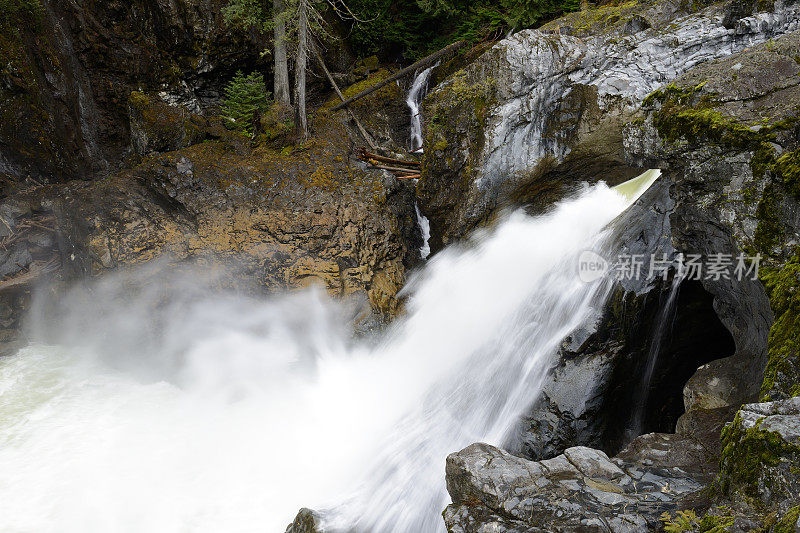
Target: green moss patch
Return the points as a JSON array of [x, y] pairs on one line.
[[782, 377], [597, 20], [20, 11], [159, 127], [787, 523], [690, 113], [688, 521], [388, 92], [460, 102], [750, 459], [788, 168]]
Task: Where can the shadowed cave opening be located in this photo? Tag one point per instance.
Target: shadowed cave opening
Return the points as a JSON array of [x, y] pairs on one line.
[[693, 336]]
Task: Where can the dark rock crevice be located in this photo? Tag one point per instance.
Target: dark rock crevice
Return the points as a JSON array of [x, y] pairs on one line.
[[692, 337]]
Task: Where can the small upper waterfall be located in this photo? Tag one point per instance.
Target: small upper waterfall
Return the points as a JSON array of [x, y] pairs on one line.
[[425, 228], [152, 404], [419, 89]]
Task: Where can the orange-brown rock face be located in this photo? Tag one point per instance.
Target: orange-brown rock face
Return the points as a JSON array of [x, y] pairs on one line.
[[285, 219]]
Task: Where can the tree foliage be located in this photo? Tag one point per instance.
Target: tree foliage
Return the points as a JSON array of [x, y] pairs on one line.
[[244, 95], [20, 9], [247, 14], [414, 28]]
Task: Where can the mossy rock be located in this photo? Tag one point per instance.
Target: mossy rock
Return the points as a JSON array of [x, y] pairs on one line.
[[365, 67], [458, 113], [607, 18], [788, 523], [388, 92], [782, 377], [383, 113], [758, 464], [159, 127], [16, 12], [276, 126], [788, 168], [755, 111]]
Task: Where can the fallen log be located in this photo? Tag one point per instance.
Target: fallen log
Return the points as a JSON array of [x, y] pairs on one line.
[[367, 156], [396, 169], [411, 177], [421, 63]]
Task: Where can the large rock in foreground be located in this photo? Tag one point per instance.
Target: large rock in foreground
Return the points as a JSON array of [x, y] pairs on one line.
[[581, 490]]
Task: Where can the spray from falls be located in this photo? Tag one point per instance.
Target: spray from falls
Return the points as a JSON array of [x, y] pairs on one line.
[[165, 406]]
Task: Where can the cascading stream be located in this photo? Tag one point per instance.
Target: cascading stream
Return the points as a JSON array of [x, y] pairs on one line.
[[425, 229], [419, 89], [150, 405]]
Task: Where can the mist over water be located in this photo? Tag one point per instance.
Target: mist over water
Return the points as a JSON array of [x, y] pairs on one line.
[[159, 404]]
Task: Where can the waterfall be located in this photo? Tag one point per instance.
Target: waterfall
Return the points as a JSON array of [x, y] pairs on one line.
[[419, 89], [150, 402], [663, 319], [425, 228]]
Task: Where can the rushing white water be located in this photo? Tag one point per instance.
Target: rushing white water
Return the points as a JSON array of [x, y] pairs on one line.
[[419, 88], [150, 405]]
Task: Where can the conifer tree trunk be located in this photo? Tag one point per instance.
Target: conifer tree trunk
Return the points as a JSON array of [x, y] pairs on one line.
[[281, 82], [301, 121]]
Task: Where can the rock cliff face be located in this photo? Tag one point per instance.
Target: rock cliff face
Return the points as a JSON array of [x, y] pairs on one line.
[[542, 105], [112, 155], [284, 218], [734, 192], [616, 90], [68, 67]]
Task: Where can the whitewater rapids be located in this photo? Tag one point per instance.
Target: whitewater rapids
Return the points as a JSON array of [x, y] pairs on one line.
[[167, 407]]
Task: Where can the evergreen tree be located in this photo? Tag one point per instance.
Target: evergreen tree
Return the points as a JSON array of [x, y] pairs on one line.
[[255, 14], [415, 28], [244, 96], [293, 21]]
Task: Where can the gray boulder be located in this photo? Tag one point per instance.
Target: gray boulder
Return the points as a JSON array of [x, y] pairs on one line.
[[581, 490]]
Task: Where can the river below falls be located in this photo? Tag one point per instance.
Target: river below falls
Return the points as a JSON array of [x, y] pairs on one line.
[[150, 402]]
